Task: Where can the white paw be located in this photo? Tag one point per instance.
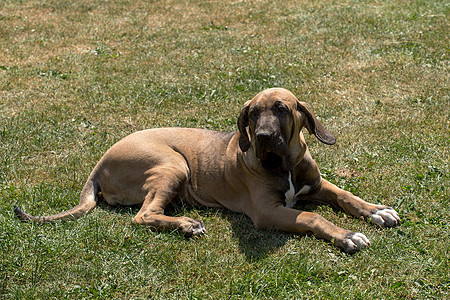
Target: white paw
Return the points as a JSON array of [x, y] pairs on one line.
[[199, 230], [386, 217], [191, 227], [355, 242]]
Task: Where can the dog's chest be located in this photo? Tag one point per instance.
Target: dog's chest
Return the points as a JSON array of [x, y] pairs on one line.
[[290, 196]]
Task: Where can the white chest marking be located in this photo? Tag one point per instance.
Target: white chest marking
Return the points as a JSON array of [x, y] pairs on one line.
[[290, 196], [304, 190]]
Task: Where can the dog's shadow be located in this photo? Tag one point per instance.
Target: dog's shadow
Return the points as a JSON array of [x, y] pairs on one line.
[[253, 243], [257, 244]]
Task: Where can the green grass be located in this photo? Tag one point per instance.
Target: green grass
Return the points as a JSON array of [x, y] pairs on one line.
[[77, 76]]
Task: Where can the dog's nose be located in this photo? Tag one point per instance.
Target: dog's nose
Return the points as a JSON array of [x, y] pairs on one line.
[[263, 136]]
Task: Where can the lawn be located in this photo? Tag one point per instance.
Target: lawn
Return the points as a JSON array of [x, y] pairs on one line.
[[77, 76]]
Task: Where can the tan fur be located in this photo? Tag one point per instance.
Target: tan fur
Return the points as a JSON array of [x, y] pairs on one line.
[[227, 170]]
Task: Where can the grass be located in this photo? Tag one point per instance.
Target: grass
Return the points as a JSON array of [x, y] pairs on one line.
[[76, 76]]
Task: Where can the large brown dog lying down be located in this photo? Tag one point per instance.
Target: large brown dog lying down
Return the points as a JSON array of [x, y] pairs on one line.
[[262, 171]]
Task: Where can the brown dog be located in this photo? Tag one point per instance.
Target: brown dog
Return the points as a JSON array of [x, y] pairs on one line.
[[262, 170]]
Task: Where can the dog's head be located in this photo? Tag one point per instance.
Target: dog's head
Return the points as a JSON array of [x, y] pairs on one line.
[[271, 124]]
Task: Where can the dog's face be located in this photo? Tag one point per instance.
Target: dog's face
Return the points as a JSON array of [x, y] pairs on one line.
[[270, 124]]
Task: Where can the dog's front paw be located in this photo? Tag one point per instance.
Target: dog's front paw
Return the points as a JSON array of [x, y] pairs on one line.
[[353, 242], [192, 227], [385, 217]]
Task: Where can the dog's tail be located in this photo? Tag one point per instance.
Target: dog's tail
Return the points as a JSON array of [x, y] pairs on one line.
[[88, 200]]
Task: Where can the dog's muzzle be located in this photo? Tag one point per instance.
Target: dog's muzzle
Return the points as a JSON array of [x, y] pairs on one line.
[[270, 149]]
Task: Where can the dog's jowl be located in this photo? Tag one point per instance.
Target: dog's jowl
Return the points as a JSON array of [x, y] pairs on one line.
[[260, 170]]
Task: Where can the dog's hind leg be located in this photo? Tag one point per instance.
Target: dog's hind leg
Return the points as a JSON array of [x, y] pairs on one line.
[[88, 200], [163, 185]]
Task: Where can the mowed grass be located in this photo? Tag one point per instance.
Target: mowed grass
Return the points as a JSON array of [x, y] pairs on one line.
[[77, 76]]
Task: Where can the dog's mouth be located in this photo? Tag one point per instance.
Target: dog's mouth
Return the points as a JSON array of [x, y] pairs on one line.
[[271, 152], [271, 160]]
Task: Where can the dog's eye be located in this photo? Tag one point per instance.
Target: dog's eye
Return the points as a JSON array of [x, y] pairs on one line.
[[281, 108]]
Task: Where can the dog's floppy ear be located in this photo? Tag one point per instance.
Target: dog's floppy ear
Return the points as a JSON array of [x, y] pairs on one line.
[[244, 142], [315, 127]]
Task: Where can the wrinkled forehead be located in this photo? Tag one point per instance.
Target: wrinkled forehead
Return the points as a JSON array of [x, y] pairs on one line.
[[268, 98]]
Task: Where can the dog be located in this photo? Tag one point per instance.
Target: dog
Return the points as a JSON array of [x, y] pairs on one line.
[[261, 170]]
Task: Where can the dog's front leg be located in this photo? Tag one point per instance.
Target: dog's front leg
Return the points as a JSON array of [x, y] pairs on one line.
[[292, 220], [384, 216]]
